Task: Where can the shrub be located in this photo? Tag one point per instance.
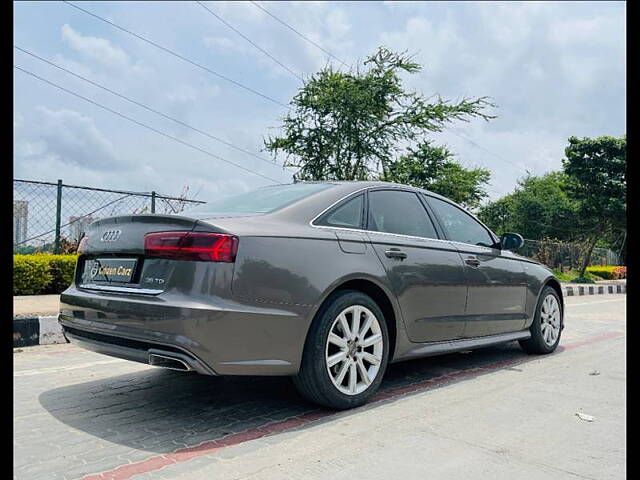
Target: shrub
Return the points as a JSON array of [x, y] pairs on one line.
[[621, 271], [582, 280], [608, 272], [42, 273], [62, 270], [31, 274]]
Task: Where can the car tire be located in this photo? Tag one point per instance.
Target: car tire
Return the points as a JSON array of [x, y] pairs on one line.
[[326, 375], [547, 325]]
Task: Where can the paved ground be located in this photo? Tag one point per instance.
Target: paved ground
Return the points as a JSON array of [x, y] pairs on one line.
[[494, 413], [36, 304]]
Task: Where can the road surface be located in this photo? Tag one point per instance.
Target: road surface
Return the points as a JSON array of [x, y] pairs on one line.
[[492, 413]]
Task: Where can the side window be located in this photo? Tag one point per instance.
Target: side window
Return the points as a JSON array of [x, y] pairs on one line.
[[395, 211], [460, 226], [347, 215]]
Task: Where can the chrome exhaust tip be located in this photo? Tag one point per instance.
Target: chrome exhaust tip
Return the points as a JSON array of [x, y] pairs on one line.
[[168, 362]]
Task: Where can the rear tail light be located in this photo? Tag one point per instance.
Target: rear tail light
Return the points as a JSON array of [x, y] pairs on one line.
[[207, 247], [82, 246]]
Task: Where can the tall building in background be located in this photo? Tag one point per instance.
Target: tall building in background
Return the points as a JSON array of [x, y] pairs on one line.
[[78, 225], [20, 219]]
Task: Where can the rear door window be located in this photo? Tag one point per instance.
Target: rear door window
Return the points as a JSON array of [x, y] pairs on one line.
[[399, 212]]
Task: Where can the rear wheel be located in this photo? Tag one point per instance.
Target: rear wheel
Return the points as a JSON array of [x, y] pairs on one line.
[[547, 324], [346, 352]]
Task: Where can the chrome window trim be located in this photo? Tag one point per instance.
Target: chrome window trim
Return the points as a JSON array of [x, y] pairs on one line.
[[358, 230], [361, 230], [441, 240], [475, 246]]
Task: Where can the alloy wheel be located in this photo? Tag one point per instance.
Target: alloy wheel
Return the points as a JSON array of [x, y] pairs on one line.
[[550, 320], [354, 350]]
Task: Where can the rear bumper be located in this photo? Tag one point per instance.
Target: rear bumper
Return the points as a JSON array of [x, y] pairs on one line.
[[127, 348], [214, 336]]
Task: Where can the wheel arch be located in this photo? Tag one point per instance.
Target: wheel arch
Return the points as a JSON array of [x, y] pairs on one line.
[[555, 284], [378, 293]]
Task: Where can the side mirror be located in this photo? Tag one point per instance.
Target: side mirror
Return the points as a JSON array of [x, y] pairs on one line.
[[511, 241]]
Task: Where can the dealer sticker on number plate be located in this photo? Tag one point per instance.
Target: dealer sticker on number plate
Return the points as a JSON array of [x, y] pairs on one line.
[[119, 270]]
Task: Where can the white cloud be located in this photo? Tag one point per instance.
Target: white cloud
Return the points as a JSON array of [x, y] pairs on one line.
[[186, 94], [436, 45], [73, 139], [218, 42], [554, 68], [510, 24], [27, 149], [244, 10], [338, 23], [508, 153], [585, 32], [326, 24], [182, 100], [97, 49]]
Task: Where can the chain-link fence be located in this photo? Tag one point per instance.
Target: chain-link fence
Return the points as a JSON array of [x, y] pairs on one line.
[[565, 255], [48, 216]]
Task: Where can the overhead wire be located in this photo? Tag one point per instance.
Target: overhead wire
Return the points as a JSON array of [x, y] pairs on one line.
[[146, 107], [459, 135], [250, 41], [238, 84], [342, 62], [132, 120], [299, 33], [177, 55]]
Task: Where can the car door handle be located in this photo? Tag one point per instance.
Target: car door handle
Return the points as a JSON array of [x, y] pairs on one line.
[[473, 261], [395, 253]]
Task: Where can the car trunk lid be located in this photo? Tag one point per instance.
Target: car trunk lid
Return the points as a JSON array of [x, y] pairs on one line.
[[113, 253]]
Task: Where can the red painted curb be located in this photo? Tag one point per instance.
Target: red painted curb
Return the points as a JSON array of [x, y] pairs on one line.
[[125, 472]]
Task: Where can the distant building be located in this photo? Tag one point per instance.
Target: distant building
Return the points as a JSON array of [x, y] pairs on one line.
[[20, 219], [77, 227]]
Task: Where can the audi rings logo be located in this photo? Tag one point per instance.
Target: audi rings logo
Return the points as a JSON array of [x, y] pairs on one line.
[[110, 235]]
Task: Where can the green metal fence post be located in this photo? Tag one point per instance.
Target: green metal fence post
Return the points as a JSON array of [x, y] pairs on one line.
[[153, 201], [56, 245]]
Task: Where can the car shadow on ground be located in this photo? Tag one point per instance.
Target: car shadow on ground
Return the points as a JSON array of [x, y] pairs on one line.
[[161, 410]]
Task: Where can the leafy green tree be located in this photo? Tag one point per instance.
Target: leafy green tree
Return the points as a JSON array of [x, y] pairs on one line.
[[352, 125], [499, 215], [596, 168], [540, 207], [434, 169]]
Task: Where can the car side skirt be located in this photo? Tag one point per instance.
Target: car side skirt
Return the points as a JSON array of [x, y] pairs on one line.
[[450, 346]]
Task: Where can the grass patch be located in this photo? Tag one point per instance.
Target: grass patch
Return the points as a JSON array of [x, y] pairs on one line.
[[571, 275]]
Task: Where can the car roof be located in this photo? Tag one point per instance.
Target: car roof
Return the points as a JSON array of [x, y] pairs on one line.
[[302, 212], [362, 184]]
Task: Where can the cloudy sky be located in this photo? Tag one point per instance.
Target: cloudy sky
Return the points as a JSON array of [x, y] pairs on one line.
[[554, 69]]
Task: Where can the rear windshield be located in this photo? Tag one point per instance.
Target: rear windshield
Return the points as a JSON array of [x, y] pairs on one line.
[[262, 200]]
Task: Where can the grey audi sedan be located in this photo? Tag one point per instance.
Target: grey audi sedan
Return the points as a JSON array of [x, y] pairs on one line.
[[327, 282]]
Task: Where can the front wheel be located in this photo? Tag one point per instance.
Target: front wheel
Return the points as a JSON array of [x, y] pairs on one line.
[[346, 352], [547, 324]]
